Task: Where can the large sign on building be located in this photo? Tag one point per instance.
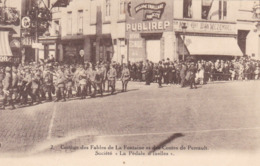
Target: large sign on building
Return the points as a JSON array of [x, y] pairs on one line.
[[146, 17], [149, 16]]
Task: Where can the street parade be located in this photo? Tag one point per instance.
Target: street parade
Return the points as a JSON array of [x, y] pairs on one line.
[[36, 83]]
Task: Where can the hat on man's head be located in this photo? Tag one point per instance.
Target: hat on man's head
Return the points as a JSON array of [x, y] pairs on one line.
[[7, 69]]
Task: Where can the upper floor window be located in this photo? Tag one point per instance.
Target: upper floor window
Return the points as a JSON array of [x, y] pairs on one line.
[[122, 7], [57, 27], [187, 8], [69, 23], [80, 21], [108, 7], [217, 10]]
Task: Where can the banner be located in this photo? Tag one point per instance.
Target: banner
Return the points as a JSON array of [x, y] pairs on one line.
[[146, 16]]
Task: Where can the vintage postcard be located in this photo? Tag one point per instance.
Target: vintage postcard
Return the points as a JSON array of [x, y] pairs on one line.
[[129, 82]]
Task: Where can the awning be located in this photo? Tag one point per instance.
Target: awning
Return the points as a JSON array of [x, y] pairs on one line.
[[218, 46], [5, 50]]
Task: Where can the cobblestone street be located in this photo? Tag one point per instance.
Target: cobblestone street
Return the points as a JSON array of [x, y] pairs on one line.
[[221, 116]]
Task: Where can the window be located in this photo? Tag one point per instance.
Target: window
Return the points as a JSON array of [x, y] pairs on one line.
[[214, 10], [108, 7], [80, 21], [69, 23], [187, 8], [122, 7], [222, 9], [57, 27], [206, 6]]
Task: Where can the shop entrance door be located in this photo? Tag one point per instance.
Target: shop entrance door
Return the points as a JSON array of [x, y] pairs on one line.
[[153, 50]]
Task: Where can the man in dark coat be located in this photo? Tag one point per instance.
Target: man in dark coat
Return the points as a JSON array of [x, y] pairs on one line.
[[160, 74], [192, 69], [183, 71]]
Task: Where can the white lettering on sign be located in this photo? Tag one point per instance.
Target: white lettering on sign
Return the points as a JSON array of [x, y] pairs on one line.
[[5, 59], [148, 26], [195, 26]]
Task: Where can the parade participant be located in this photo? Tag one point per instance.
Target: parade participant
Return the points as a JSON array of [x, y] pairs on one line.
[[125, 77], [160, 74], [100, 78], [60, 84], [1, 86], [183, 74], [166, 73], [82, 82], [171, 71], [7, 88], [14, 83], [148, 72], [91, 75], [192, 70], [35, 87], [27, 84], [111, 76], [104, 72], [48, 81], [69, 83]]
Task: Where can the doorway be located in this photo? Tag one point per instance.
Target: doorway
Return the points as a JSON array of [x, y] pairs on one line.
[[153, 50]]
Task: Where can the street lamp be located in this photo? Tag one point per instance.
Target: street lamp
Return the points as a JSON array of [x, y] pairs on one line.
[[183, 27]]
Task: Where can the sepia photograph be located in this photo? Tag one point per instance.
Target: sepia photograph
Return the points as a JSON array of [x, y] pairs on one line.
[[129, 82]]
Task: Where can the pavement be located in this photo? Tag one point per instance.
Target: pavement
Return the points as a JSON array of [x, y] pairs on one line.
[[145, 120]]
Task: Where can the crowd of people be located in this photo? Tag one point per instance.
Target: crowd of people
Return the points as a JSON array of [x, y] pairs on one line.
[[181, 72], [35, 83]]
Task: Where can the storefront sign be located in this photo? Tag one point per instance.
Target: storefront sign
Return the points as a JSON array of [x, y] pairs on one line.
[[149, 16], [146, 16], [37, 45], [5, 59], [26, 22], [27, 41], [208, 27]]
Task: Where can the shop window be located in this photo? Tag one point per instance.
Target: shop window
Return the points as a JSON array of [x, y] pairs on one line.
[[69, 23], [187, 8], [108, 7], [80, 21]]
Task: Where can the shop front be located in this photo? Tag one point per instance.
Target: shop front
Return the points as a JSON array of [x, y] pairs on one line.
[[6, 55], [206, 40], [149, 30], [49, 47]]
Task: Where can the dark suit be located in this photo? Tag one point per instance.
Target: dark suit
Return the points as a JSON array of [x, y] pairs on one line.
[[183, 74]]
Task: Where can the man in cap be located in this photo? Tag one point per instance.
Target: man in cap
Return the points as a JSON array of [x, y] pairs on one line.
[[125, 77], [48, 81], [111, 76], [60, 84]]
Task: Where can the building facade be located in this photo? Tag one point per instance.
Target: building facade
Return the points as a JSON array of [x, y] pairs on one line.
[[10, 43], [136, 30]]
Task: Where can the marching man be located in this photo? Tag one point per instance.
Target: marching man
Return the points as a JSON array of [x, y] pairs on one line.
[[7, 87], [125, 77], [111, 76]]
